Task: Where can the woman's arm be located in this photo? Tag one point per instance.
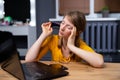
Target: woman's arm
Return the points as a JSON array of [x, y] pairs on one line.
[[34, 51], [93, 58]]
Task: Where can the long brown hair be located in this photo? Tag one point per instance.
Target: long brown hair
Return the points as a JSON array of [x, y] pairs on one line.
[[77, 18]]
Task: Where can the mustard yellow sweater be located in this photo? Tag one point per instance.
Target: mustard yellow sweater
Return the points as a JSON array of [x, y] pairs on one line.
[[51, 44]]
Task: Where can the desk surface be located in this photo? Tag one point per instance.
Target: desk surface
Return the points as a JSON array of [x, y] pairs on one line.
[[79, 71]]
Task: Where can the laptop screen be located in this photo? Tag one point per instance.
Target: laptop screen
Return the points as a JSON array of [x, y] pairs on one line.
[[9, 57]]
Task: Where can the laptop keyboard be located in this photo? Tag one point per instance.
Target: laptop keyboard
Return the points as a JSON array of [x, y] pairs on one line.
[[41, 71]]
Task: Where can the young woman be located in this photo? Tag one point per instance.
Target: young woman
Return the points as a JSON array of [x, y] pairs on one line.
[[67, 45]]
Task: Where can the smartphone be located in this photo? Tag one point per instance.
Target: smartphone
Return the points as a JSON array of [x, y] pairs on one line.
[[55, 24]]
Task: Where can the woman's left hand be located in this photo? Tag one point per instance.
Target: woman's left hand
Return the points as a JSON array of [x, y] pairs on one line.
[[71, 38]]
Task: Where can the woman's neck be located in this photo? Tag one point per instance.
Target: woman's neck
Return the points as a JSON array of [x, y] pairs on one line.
[[64, 43]]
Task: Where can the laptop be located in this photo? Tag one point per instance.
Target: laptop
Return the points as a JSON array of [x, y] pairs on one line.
[[10, 60]]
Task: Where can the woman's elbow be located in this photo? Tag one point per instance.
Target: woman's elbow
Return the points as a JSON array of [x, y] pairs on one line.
[[29, 59], [99, 64]]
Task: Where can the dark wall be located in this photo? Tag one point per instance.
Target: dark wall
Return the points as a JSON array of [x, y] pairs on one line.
[[45, 9]]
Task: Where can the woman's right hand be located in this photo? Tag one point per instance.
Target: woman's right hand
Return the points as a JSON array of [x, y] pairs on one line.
[[47, 29]]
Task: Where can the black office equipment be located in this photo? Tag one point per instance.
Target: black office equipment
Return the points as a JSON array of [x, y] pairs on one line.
[[30, 70], [55, 24]]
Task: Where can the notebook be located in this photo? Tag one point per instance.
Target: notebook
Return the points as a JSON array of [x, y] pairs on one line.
[[30, 70]]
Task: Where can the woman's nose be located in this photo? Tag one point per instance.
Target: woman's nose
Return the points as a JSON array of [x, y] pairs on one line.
[[63, 27]]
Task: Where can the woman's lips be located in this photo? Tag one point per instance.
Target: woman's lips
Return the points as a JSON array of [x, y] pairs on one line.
[[60, 33]]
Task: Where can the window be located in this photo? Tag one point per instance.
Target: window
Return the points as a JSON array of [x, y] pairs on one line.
[[92, 8]]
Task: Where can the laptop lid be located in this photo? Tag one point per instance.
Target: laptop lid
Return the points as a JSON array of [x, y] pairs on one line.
[[13, 66], [27, 71], [9, 56]]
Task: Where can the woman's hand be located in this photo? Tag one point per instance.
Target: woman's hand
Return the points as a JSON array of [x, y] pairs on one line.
[[71, 38], [46, 28]]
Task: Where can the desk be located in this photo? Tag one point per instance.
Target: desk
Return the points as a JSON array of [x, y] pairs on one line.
[[79, 71]]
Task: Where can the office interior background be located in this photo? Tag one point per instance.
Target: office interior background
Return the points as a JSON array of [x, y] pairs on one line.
[[102, 32]]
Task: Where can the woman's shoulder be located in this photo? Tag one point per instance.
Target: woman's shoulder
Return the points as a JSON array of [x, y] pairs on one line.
[[81, 41], [85, 46], [53, 37]]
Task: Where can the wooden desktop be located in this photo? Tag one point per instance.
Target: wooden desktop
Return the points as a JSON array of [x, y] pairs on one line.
[[80, 71]]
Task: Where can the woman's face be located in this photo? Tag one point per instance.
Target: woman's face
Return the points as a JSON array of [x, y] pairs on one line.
[[65, 28]]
